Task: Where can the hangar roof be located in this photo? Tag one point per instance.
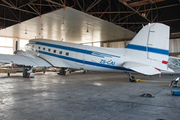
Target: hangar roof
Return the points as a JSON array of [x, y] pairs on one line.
[[70, 25], [130, 14]]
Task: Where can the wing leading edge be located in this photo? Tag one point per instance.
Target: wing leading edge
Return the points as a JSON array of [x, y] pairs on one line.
[[23, 60]]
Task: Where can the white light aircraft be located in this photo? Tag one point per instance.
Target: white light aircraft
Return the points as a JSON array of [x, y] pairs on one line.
[[174, 64], [19, 68], [147, 53]]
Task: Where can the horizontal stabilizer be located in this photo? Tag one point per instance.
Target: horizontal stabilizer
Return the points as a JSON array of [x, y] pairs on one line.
[[141, 68]]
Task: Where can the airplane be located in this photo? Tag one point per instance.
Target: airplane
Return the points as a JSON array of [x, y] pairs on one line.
[[19, 68], [174, 64], [147, 53]]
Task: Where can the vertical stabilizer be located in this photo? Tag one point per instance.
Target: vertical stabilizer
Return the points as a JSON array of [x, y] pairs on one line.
[[150, 46]]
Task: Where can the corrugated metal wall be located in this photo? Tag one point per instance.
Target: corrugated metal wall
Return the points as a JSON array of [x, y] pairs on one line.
[[174, 45]]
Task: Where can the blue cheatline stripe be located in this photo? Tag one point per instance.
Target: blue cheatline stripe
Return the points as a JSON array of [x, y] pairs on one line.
[[86, 62], [149, 49], [94, 53]]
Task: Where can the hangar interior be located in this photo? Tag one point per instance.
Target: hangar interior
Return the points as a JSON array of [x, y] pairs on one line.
[[29, 19], [94, 95]]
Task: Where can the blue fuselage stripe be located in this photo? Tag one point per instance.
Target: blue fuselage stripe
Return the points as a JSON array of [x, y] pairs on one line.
[[149, 49], [94, 53], [85, 62]]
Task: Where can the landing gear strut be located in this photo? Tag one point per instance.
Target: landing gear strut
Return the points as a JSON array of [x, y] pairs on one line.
[[8, 74], [62, 71], [84, 71], [131, 78], [26, 71]]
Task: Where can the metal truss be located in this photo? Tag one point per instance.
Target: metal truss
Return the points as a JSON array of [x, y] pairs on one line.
[[130, 14]]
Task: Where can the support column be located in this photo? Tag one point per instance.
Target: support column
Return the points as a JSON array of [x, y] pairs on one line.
[[125, 43]]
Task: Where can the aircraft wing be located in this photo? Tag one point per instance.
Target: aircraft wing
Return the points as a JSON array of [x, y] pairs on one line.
[[24, 60], [173, 59], [141, 68]]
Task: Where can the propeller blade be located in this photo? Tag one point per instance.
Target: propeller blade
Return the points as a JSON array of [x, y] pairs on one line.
[[16, 45]]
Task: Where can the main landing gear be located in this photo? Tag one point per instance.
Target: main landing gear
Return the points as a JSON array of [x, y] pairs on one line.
[[62, 71], [8, 74], [131, 78], [27, 71]]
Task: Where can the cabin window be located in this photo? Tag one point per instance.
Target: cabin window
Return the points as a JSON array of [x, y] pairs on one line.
[[54, 51], [67, 53], [43, 48], [39, 47], [60, 52], [49, 50]]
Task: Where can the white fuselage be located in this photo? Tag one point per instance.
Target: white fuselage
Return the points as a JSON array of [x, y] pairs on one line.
[[69, 55]]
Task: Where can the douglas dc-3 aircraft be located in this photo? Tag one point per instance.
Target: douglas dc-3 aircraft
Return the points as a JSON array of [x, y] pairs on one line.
[[147, 53]]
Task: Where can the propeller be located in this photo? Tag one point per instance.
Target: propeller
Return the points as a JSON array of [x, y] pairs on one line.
[[16, 45], [16, 48]]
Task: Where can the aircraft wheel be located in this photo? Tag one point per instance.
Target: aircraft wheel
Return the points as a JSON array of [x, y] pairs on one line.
[[131, 79], [84, 71], [62, 71], [26, 74], [8, 74]]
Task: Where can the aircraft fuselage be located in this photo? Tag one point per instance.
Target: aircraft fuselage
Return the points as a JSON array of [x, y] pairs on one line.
[[77, 56]]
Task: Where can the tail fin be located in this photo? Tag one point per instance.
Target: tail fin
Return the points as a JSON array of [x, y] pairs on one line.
[[150, 46]]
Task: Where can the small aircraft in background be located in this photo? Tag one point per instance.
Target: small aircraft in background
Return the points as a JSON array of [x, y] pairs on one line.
[[147, 53], [14, 68], [174, 64]]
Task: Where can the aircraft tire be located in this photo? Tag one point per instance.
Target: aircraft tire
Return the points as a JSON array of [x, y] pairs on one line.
[[8, 74], [84, 71], [131, 79]]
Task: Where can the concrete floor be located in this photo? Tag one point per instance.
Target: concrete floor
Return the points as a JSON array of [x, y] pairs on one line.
[[91, 96]]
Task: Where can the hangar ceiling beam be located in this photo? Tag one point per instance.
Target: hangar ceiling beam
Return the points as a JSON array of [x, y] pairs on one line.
[[147, 22], [79, 5], [105, 11], [92, 5], [10, 4], [35, 10], [143, 2], [111, 12], [128, 15], [62, 5], [159, 7], [19, 9], [31, 1], [133, 10], [9, 19]]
